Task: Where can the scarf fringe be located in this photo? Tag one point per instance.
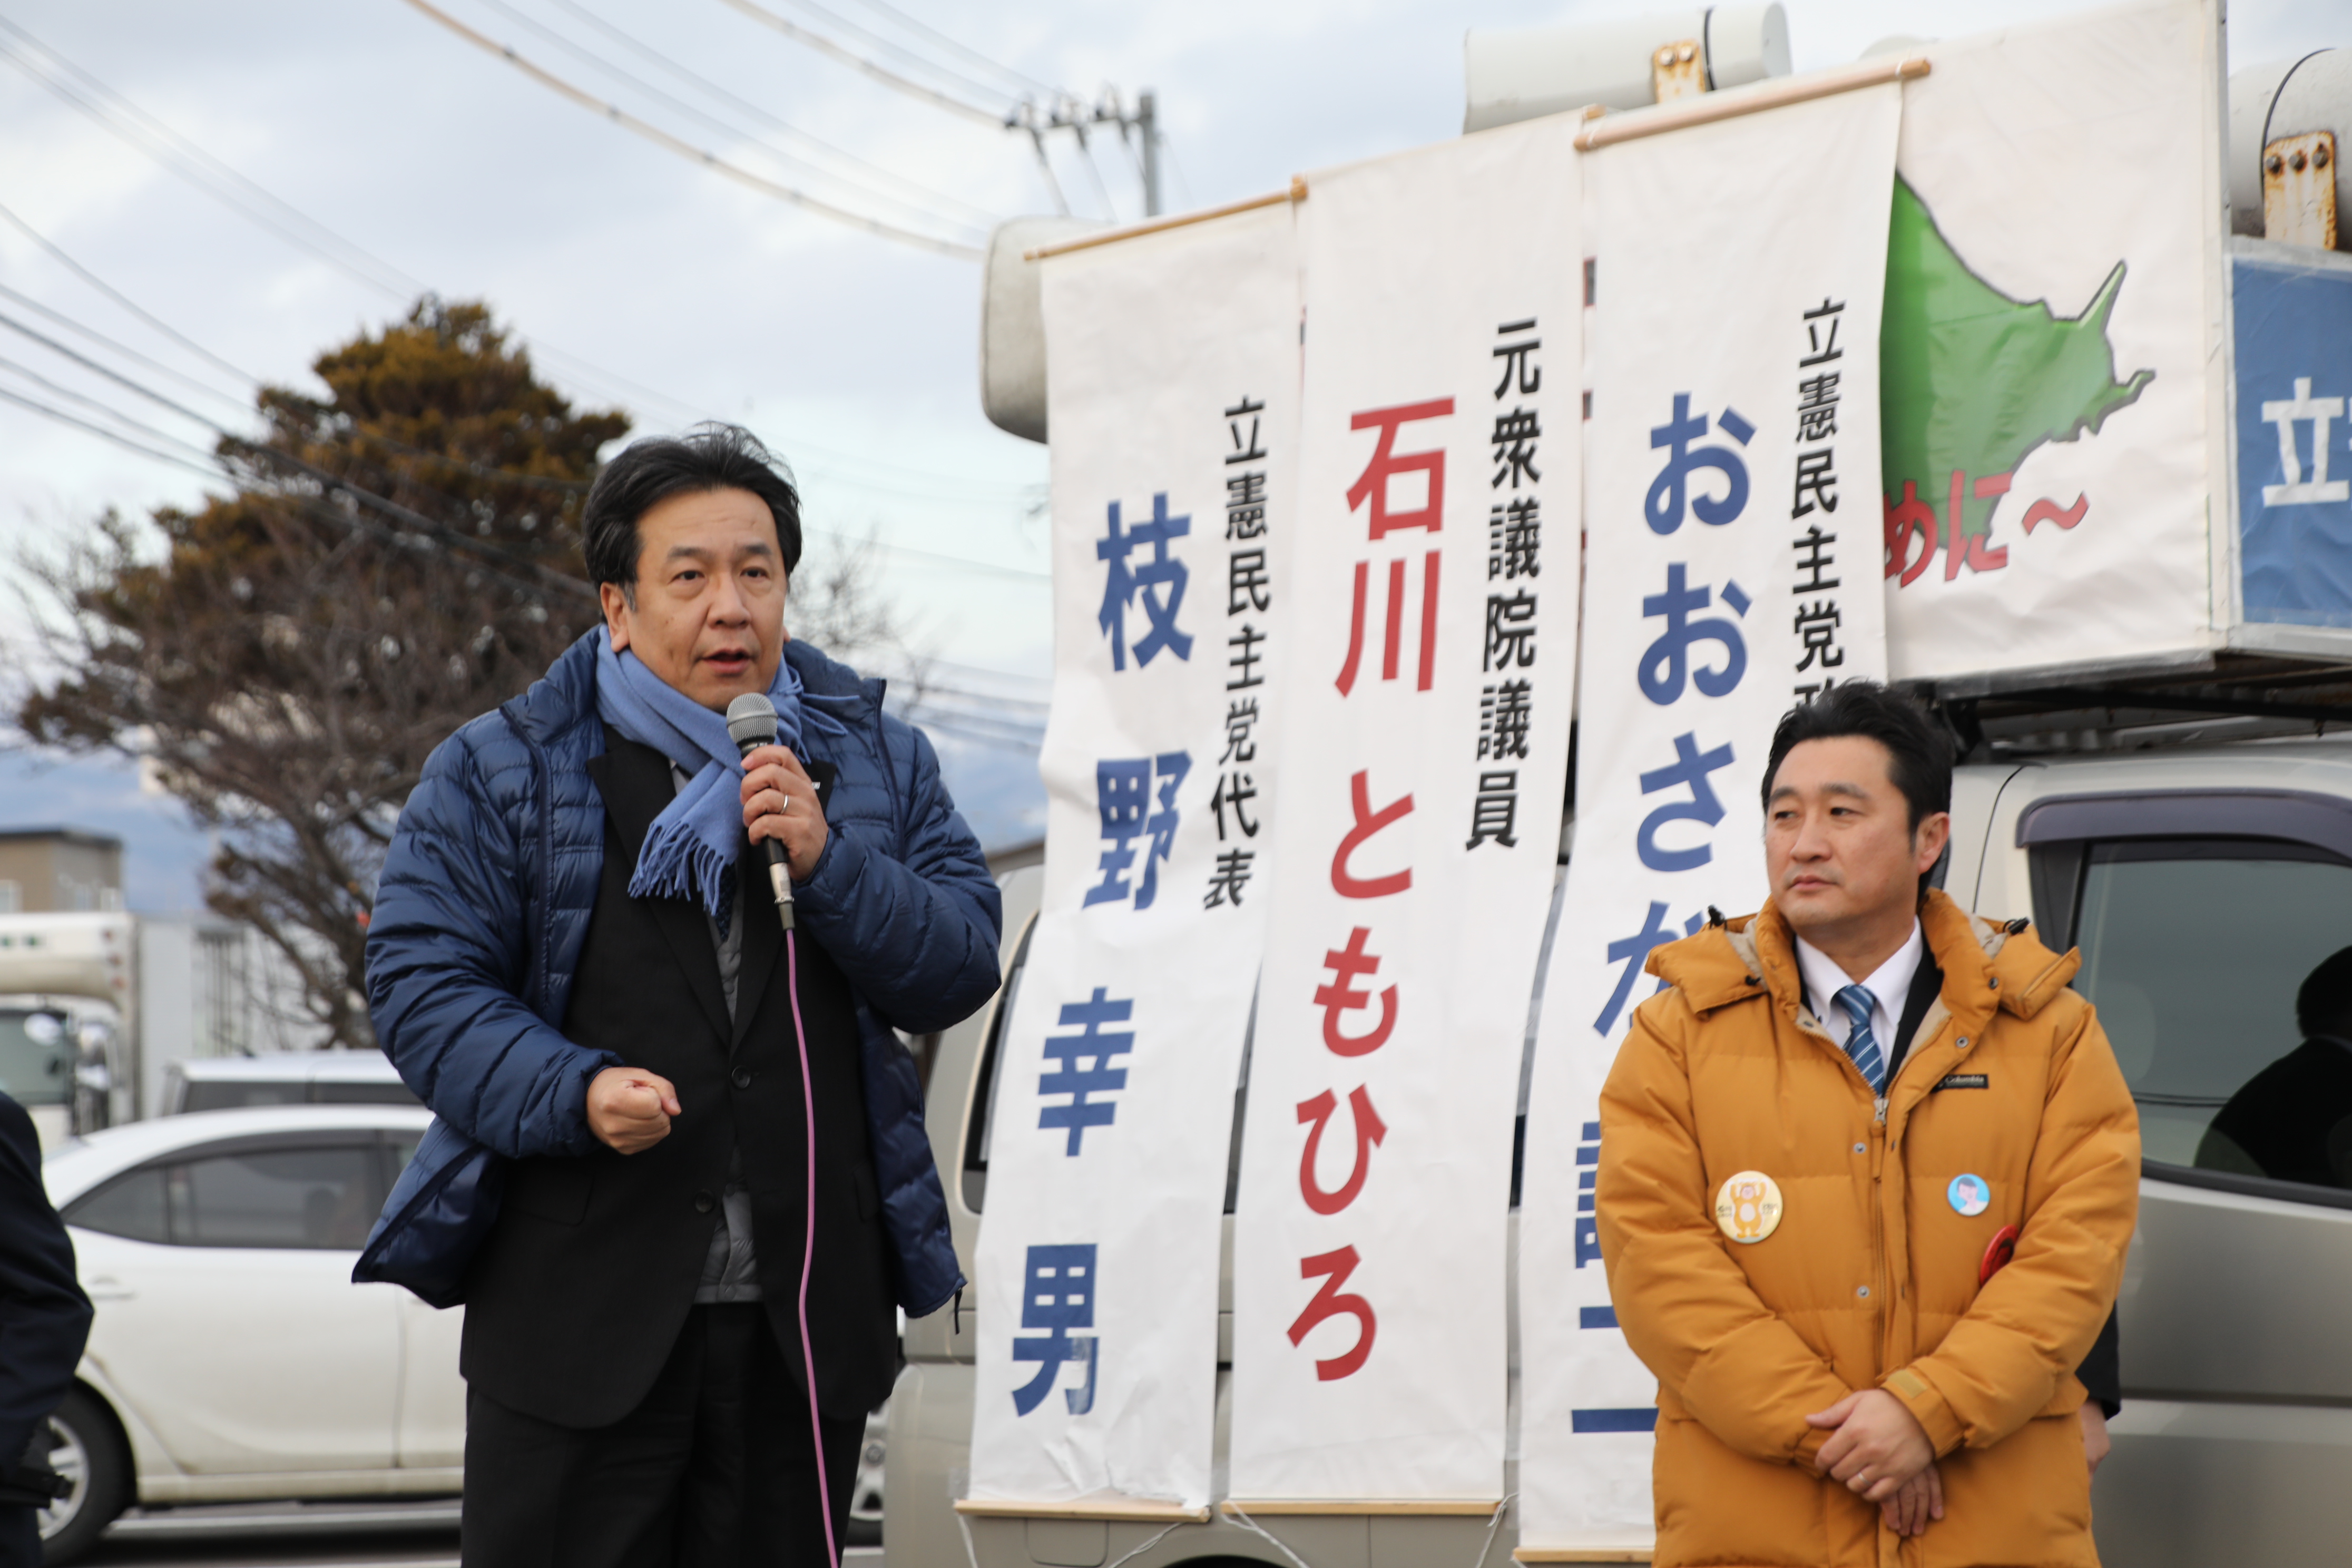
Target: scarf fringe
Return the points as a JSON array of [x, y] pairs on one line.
[[692, 871]]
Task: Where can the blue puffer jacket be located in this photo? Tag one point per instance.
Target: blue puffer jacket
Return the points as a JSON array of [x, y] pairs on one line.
[[483, 909]]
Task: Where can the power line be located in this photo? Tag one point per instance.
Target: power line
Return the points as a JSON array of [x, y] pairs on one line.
[[142, 390], [479, 470], [879, 72], [110, 373], [103, 287], [185, 157], [927, 699], [423, 531], [986, 698], [417, 519], [914, 26], [621, 388], [322, 476], [684, 149], [99, 405], [949, 727], [1094, 173], [596, 63], [60, 319], [963, 563], [62, 418], [911, 56], [1169, 147], [309, 506], [268, 454], [191, 169], [966, 726], [996, 674], [408, 289], [653, 57]]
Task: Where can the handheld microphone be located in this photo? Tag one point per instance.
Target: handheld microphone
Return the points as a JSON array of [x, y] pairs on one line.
[[750, 724]]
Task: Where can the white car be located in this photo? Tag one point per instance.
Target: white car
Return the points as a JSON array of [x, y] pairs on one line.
[[232, 1359], [282, 1078]]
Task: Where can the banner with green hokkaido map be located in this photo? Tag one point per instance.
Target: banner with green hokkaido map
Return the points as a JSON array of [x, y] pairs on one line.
[[2051, 355]]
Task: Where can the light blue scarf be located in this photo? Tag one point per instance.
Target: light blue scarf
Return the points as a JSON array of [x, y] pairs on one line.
[[689, 852]]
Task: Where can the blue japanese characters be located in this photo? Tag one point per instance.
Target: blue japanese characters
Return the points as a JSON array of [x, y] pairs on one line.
[[1670, 493], [1156, 585], [1058, 1295], [1129, 809], [1094, 1046]]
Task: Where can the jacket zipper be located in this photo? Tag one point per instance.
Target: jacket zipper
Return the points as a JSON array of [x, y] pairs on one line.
[[1878, 1269], [1880, 1279]]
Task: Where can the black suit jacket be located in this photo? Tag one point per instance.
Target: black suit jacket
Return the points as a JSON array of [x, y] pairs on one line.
[[580, 1289], [44, 1316]]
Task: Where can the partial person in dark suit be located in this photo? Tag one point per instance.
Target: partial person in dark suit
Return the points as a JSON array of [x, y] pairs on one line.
[[720, 1183], [2292, 1121], [44, 1321]]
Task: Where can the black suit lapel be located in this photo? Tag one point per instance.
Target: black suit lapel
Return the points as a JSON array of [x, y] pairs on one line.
[[763, 933], [763, 939], [636, 784]]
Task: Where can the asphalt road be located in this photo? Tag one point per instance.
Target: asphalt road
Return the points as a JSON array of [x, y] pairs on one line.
[[293, 1535], [284, 1535]]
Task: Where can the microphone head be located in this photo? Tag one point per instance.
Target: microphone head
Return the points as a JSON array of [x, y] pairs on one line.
[[750, 720]]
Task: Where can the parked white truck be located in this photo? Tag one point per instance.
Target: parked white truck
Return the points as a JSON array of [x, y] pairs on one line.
[[95, 1006]]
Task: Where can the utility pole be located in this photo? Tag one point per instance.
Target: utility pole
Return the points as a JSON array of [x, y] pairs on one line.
[[1066, 114], [1146, 119]]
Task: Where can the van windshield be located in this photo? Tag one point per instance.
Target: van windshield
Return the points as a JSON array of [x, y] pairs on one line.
[[2194, 952]]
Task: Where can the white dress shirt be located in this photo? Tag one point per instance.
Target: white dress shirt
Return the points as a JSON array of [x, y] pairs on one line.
[[1889, 986]]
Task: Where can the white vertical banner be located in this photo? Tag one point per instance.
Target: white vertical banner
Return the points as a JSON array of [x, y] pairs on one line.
[[1431, 666], [2055, 452], [1732, 570], [1173, 369]]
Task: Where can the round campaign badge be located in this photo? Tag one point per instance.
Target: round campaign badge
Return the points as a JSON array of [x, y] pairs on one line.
[[1748, 1206], [1971, 1195]]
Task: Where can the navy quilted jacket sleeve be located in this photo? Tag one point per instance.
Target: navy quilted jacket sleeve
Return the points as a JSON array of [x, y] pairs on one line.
[[449, 955], [916, 934]]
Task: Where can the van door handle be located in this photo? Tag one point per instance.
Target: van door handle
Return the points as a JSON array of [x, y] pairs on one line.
[[106, 1288]]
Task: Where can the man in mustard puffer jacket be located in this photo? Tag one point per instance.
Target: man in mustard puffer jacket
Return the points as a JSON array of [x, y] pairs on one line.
[[1868, 1173]]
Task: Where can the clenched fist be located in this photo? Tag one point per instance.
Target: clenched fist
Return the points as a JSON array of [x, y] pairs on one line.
[[630, 1108]]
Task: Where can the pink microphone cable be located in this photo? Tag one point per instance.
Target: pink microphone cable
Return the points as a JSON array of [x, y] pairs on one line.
[[808, 1247]]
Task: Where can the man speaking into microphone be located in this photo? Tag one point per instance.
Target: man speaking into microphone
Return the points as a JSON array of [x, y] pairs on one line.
[[718, 1185]]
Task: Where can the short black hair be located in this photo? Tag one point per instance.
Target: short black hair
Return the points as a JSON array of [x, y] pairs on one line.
[[707, 458], [2324, 1005], [1919, 752]]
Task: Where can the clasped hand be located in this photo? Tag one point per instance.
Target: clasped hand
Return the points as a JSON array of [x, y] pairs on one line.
[[1880, 1452]]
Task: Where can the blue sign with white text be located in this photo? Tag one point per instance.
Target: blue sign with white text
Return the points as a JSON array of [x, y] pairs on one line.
[[2295, 442]]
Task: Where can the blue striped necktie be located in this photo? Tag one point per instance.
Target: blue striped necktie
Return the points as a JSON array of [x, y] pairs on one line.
[[1855, 1003]]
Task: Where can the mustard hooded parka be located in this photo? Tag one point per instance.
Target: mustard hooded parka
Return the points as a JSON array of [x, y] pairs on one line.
[[1871, 1278]]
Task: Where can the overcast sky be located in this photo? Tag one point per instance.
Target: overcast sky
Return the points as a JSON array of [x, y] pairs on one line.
[[648, 281]]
